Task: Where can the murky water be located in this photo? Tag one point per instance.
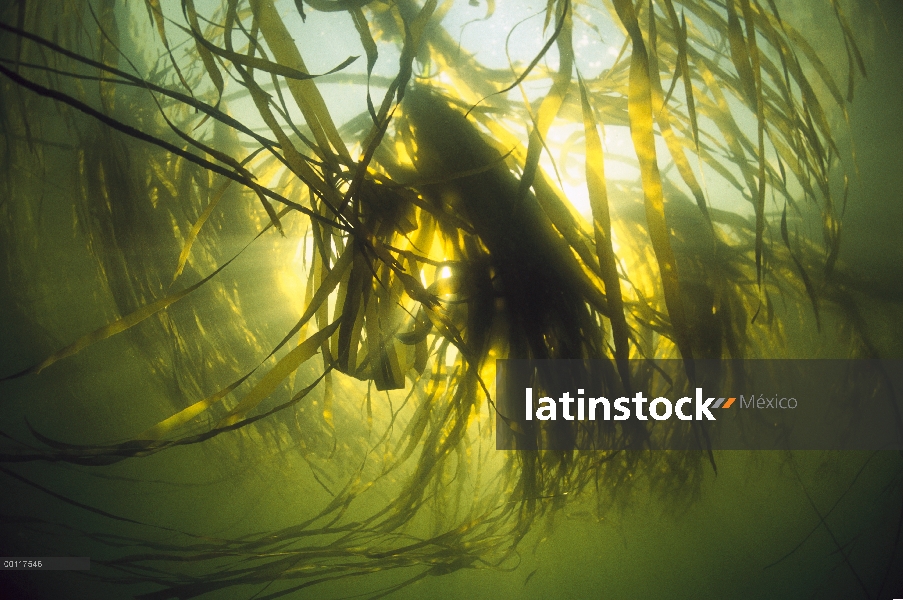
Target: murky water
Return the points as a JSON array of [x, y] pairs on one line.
[[383, 477]]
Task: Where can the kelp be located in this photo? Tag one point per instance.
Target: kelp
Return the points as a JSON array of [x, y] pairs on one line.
[[434, 243]]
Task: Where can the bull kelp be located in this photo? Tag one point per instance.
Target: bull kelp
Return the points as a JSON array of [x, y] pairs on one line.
[[282, 245]]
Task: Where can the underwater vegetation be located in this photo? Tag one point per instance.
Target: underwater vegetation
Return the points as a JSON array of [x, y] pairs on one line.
[[295, 237]]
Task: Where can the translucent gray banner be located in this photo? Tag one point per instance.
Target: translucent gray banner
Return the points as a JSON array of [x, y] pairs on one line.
[[707, 404], [45, 563]]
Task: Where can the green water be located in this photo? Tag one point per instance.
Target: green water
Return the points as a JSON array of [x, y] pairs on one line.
[[768, 525]]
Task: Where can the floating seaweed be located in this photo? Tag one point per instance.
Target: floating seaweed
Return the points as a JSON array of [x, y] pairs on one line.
[[421, 239]]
